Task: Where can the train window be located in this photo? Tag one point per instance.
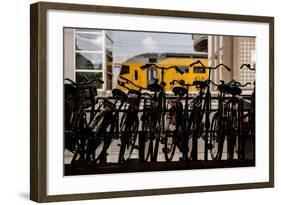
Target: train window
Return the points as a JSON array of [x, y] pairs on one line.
[[136, 75], [125, 69], [151, 75], [199, 69], [152, 60], [183, 68]]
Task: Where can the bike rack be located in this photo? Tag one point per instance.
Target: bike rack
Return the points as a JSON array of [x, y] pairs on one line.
[[112, 152]]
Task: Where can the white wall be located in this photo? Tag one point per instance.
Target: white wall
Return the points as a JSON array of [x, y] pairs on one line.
[[14, 103], [69, 53]]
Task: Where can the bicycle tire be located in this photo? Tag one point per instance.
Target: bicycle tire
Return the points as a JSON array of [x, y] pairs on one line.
[[129, 148], [214, 138], [102, 140], [169, 143], [231, 137], [190, 136], [148, 149], [128, 140], [155, 143]]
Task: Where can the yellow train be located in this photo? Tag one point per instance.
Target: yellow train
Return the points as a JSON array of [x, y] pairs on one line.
[[131, 70]]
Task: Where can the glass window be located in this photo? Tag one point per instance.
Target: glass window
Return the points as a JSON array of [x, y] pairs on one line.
[[199, 69], [109, 57], [125, 69], [109, 43], [90, 76], [93, 56], [88, 42], [88, 61], [136, 75], [152, 60], [183, 68], [151, 75]]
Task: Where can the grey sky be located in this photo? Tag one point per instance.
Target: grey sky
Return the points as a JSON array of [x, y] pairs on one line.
[[128, 44]]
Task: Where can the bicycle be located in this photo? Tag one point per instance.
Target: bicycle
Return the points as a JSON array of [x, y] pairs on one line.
[[218, 124], [104, 127], [227, 122], [177, 118], [206, 106], [79, 96], [154, 121], [129, 122]]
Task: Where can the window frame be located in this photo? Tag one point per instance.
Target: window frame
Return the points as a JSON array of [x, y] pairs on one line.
[[102, 52]]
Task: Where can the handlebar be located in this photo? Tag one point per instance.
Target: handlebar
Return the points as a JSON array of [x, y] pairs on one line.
[[180, 82], [243, 85], [210, 81], [196, 62], [149, 65], [248, 66], [209, 67], [84, 83], [123, 85], [131, 82], [237, 84]]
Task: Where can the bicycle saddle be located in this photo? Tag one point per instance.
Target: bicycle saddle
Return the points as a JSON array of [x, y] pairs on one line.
[[69, 89], [224, 88], [234, 90], [179, 91], [201, 84], [155, 87], [119, 94], [136, 92]]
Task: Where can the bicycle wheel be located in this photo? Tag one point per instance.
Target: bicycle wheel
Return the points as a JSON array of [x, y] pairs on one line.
[[128, 140], [195, 130], [80, 141], [78, 152], [99, 153], [169, 142], [146, 145], [214, 137], [148, 148], [151, 141], [130, 145], [104, 124], [155, 143], [190, 142], [190, 131], [231, 137]]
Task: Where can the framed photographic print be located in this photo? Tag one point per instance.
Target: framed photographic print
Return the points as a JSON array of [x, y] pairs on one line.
[[134, 102]]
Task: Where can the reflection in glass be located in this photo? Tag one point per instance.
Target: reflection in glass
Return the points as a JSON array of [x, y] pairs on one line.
[[80, 76], [88, 42], [91, 61]]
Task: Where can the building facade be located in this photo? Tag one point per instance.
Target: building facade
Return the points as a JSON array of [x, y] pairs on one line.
[[231, 51], [88, 53]]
